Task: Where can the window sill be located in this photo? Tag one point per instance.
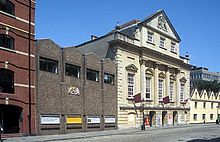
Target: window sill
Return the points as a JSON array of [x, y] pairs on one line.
[[151, 43], [163, 48], [7, 49], [130, 98], [148, 100], [173, 52], [49, 72], [7, 14]]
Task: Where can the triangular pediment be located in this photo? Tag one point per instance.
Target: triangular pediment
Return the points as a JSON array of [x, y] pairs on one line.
[[132, 68], [160, 22]]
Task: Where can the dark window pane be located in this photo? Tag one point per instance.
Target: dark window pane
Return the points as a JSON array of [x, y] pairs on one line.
[[48, 65], [6, 81], [108, 78], [7, 6], [92, 75], [6, 41], [72, 70]]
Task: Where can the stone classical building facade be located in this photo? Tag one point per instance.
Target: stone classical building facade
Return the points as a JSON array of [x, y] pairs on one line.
[[146, 54], [75, 92], [17, 91], [204, 106]]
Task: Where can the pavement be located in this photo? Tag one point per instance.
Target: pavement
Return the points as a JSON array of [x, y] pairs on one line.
[[86, 135]]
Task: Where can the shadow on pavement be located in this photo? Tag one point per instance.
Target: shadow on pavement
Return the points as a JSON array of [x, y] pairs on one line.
[[202, 140]]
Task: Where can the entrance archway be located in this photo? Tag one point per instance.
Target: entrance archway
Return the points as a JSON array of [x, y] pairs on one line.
[[175, 118], [9, 118], [164, 118], [152, 119]]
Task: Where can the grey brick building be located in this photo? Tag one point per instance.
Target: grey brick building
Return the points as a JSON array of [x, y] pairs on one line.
[[75, 92]]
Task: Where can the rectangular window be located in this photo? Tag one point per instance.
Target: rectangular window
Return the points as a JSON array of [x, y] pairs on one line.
[[182, 86], [48, 65], [160, 89], [195, 117], [195, 105], [162, 42], [130, 85], [92, 75], [108, 78], [211, 116], [211, 105], [203, 116], [148, 87], [150, 37], [173, 47], [204, 105], [6, 41], [72, 70], [171, 90]]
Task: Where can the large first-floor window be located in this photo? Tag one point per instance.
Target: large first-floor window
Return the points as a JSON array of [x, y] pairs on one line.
[[6, 81], [48, 65], [160, 89], [130, 85], [171, 90], [92, 75], [148, 87], [182, 86]]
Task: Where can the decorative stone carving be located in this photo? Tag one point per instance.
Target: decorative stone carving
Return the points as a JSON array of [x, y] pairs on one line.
[[162, 23]]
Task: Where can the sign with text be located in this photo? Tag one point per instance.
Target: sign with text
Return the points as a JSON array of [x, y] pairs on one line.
[[93, 119], [50, 119], [73, 120], [109, 119]]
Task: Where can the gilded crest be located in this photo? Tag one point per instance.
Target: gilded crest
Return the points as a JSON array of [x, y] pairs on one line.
[[162, 23]]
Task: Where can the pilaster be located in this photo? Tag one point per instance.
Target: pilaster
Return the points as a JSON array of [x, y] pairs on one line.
[[177, 87], [142, 79], [156, 101]]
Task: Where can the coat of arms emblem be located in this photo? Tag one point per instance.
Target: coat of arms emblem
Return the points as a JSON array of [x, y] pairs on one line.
[[73, 91]]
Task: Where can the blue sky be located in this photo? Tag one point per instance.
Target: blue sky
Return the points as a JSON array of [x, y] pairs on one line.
[[71, 22]]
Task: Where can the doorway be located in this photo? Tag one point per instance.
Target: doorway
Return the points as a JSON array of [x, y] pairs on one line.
[[9, 118], [164, 118], [152, 118], [175, 118]]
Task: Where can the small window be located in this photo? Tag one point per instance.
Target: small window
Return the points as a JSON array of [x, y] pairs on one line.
[[108, 78], [92, 75], [195, 105], [211, 105], [195, 117], [130, 85], [150, 37], [6, 81], [162, 42], [211, 116], [48, 65], [204, 105], [7, 6], [72, 70], [203, 116], [173, 47], [6, 41]]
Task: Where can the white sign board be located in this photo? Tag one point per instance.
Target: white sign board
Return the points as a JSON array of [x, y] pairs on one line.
[[50, 119], [93, 119], [109, 119]]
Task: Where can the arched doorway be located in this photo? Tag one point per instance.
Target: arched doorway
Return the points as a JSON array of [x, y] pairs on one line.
[[164, 118], [9, 118], [175, 118], [152, 119]]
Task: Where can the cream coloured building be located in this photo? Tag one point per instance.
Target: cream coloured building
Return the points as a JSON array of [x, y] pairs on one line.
[[148, 63], [204, 106]]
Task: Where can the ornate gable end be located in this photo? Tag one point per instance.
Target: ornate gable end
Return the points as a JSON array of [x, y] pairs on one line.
[[160, 22], [132, 68]]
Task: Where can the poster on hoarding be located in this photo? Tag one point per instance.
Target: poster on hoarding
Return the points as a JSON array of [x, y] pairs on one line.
[[109, 119], [73, 120], [50, 119], [93, 119]]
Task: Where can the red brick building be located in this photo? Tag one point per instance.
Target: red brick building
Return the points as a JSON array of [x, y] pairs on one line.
[[16, 92]]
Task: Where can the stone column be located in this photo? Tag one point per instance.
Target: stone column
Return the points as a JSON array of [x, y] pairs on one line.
[[177, 87], [142, 79], [156, 101]]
